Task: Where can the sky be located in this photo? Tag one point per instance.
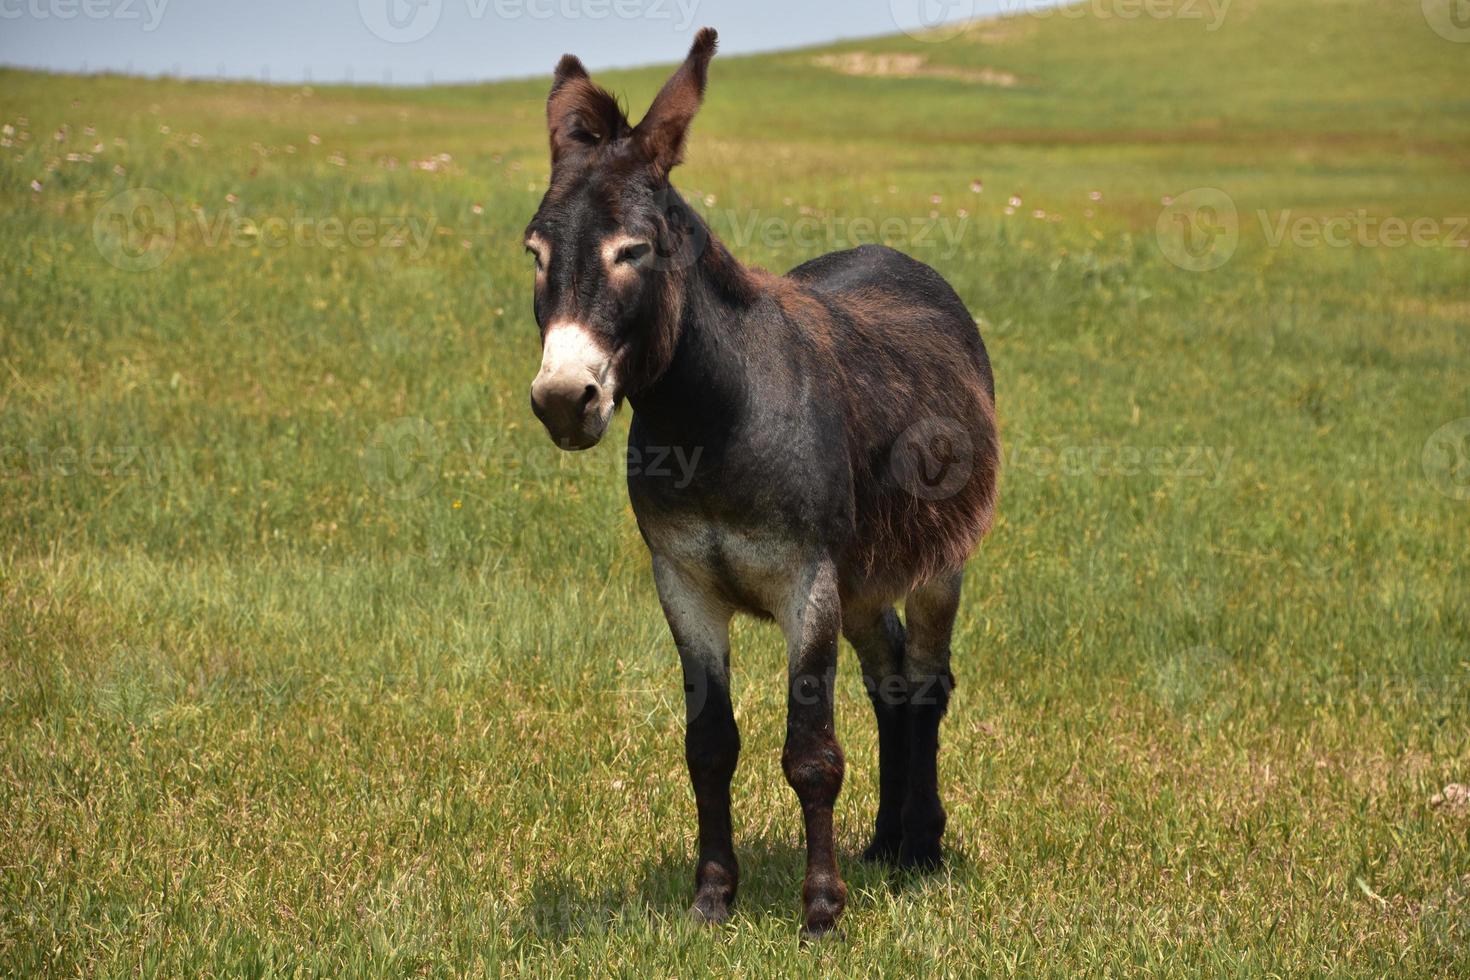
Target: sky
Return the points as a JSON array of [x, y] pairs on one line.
[[417, 41]]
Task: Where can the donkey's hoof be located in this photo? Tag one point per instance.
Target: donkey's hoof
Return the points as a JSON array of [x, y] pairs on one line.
[[828, 932], [920, 855], [710, 910], [820, 908], [882, 850]]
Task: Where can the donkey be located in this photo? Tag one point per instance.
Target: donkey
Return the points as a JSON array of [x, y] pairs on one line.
[[842, 418]]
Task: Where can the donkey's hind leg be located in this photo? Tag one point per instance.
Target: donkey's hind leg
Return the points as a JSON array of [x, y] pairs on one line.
[[930, 612], [876, 633], [811, 758]]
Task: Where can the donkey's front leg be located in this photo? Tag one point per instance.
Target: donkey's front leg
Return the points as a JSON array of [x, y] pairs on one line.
[[812, 758], [701, 628]]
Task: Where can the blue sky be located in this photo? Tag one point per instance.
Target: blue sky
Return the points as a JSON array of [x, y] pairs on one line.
[[414, 41]]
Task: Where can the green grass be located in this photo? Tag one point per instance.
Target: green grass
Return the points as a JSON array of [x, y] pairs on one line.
[[273, 701]]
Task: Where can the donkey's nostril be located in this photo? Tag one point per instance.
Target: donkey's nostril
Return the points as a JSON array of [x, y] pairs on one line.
[[569, 407]]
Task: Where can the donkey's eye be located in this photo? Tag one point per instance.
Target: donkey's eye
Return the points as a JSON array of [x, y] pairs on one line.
[[633, 252], [535, 255]]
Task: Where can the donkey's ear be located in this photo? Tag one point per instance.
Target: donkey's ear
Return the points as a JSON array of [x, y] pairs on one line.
[[580, 114], [662, 131]]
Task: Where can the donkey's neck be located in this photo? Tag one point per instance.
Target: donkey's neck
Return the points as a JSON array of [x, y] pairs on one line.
[[704, 390]]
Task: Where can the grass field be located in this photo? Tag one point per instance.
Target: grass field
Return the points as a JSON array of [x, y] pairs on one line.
[[319, 658]]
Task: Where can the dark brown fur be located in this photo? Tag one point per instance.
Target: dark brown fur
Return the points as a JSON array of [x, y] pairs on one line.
[[891, 367]]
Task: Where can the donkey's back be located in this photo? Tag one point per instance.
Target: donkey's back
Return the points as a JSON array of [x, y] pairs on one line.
[[868, 269], [920, 407]]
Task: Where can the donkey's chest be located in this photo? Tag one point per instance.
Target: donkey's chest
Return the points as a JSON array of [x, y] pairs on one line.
[[754, 569]]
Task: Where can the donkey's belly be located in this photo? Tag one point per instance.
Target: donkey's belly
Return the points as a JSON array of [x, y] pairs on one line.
[[755, 570]]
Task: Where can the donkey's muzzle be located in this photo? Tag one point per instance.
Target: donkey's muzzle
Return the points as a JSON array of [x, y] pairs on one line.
[[572, 409]]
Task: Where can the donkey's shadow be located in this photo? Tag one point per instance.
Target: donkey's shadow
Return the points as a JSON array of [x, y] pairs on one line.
[[564, 906]]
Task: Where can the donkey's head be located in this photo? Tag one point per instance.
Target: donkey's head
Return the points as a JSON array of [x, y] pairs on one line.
[[611, 242]]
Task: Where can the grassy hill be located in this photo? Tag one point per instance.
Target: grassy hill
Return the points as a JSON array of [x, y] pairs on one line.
[[316, 655]]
